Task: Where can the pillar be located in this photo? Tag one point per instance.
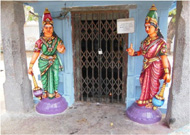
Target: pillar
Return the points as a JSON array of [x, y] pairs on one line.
[[178, 105], [17, 86]]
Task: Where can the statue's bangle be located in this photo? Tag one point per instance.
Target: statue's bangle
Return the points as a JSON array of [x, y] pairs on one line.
[[31, 65], [135, 54], [166, 70]]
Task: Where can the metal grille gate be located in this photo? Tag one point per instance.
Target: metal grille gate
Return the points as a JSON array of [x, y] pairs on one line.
[[99, 77]]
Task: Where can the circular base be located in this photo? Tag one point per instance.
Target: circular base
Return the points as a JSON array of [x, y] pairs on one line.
[[51, 106], [143, 115]]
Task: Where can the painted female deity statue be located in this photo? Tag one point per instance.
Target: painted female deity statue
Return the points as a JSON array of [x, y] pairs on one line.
[[49, 62], [155, 64]]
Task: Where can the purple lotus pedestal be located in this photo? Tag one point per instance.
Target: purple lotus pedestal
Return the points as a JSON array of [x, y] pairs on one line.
[[143, 115], [51, 106]]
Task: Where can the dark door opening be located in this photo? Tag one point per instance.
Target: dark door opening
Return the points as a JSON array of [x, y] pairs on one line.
[[99, 77]]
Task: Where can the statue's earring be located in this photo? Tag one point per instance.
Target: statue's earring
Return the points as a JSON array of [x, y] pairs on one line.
[[43, 29], [156, 30]]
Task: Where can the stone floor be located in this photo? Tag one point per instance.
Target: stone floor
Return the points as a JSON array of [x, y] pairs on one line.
[[81, 118]]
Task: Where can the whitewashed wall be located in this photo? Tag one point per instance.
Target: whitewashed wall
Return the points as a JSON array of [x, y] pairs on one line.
[[31, 34]]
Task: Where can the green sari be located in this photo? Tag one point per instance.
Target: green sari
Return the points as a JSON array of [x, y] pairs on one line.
[[49, 64]]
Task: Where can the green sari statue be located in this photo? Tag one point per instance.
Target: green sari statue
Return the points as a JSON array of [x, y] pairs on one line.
[[49, 62]]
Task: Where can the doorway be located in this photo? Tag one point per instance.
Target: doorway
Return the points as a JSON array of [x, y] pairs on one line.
[[100, 59]]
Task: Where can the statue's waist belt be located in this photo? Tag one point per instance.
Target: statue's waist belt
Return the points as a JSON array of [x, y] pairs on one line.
[[48, 57], [150, 60], [51, 61]]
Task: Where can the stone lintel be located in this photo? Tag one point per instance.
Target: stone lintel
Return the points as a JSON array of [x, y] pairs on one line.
[[101, 8]]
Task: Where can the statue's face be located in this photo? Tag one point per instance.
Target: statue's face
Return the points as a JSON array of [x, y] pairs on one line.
[[48, 30], [149, 29]]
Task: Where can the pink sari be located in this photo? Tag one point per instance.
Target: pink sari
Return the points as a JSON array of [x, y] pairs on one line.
[[152, 70]]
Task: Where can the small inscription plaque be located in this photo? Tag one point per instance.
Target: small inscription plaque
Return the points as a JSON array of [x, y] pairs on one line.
[[125, 25]]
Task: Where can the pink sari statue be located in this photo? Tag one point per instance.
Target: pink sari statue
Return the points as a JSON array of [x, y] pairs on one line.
[[155, 64]]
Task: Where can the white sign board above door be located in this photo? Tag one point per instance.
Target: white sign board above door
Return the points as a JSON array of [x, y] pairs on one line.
[[125, 25]]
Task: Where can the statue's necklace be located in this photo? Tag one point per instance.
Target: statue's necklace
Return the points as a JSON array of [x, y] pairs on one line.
[[48, 42], [149, 39]]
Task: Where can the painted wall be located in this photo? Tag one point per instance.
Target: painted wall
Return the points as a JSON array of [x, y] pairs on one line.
[[63, 29]]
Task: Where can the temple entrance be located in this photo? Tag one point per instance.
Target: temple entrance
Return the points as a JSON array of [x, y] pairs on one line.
[[100, 57]]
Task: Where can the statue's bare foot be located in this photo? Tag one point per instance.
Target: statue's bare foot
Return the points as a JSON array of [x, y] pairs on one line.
[[57, 95], [149, 105], [45, 95], [140, 102]]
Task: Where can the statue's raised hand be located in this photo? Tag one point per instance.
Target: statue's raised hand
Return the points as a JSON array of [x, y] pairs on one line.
[[61, 48], [130, 50]]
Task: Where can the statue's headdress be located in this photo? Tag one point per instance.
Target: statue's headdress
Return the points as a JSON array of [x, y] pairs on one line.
[[47, 19], [152, 16]]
